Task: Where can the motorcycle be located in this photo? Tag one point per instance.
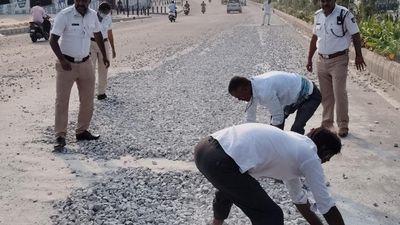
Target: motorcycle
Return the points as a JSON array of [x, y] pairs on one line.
[[203, 9], [38, 31], [186, 11], [171, 16]]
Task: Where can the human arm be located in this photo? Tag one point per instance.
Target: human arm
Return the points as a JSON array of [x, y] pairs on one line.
[[251, 111], [58, 30], [275, 108], [65, 64], [111, 40], [308, 214], [360, 64], [99, 40], [354, 31], [325, 204], [299, 198], [311, 51]]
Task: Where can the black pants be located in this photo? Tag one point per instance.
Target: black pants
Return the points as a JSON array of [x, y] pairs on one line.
[[233, 187], [305, 111], [46, 26]]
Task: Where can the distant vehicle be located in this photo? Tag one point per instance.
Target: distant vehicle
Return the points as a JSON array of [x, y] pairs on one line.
[[224, 2], [243, 2], [38, 31], [171, 16], [234, 5]]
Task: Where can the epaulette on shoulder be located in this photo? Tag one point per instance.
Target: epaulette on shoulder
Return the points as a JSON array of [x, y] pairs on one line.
[[318, 11], [66, 10]]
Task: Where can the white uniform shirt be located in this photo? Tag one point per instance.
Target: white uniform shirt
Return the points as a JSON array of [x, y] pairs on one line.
[[266, 151], [75, 31], [38, 13], [105, 26], [325, 27], [267, 8], [172, 7], [274, 90]]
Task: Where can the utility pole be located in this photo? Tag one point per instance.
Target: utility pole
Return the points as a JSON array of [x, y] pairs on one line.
[[127, 8]]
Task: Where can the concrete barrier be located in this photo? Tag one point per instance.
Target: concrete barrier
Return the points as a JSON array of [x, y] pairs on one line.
[[376, 64]]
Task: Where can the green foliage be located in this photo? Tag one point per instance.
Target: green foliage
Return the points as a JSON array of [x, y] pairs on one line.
[[382, 36]]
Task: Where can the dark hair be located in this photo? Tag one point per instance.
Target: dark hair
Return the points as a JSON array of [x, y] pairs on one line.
[[237, 82], [325, 139], [104, 6]]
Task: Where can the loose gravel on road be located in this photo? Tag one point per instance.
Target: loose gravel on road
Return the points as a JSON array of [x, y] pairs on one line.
[[162, 112]]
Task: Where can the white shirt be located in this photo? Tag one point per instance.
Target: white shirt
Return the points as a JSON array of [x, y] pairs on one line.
[[105, 26], [266, 151], [75, 31], [274, 90], [325, 26], [172, 7], [38, 13], [267, 8]]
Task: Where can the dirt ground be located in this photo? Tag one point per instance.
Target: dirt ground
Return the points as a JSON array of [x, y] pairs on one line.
[[364, 178]]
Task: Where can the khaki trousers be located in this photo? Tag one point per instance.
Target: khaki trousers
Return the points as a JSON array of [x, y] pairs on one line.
[[266, 15], [83, 75], [97, 59], [332, 76]]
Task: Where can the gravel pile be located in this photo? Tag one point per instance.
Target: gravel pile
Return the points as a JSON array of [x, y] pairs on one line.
[[140, 196], [162, 113]]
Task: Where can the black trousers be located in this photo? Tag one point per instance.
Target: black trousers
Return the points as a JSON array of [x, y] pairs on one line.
[[46, 26], [305, 111], [233, 187]]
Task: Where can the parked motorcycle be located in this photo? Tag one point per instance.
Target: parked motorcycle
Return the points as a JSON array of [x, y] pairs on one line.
[[186, 11], [172, 16], [38, 31]]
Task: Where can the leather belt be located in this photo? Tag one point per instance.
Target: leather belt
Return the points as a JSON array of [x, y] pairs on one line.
[[105, 39], [331, 56], [76, 60]]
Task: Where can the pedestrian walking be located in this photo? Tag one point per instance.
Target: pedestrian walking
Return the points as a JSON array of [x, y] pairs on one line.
[[75, 24], [334, 28], [267, 8], [233, 158], [281, 93], [120, 7], [103, 14]]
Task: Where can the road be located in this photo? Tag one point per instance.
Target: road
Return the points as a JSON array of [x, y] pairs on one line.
[[168, 88]]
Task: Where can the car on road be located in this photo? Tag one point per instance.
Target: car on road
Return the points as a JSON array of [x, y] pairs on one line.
[[234, 5]]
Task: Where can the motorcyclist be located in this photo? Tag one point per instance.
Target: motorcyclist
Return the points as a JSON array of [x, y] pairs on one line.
[[172, 8], [40, 17], [203, 6], [187, 6]]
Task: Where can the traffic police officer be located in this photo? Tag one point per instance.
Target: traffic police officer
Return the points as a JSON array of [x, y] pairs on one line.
[[75, 24], [334, 28], [105, 20]]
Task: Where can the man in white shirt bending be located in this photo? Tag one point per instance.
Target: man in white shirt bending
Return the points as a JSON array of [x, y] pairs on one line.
[[281, 93], [233, 158]]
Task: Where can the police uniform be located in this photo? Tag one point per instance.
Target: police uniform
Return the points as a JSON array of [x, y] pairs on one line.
[[97, 57], [334, 34], [75, 31]]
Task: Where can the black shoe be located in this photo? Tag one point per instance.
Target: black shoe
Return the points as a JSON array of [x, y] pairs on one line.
[[86, 135], [59, 146], [101, 97]]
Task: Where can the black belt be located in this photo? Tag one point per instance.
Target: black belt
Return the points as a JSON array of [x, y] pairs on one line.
[[331, 56], [76, 60], [105, 39]]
